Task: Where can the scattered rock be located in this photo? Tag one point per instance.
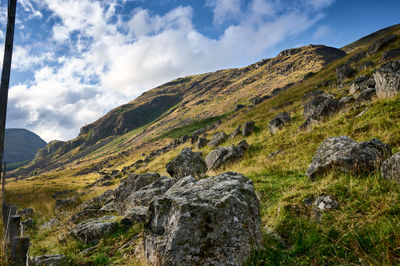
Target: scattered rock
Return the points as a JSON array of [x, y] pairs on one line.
[[187, 163], [26, 213], [325, 203], [357, 57], [344, 71], [273, 154], [390, 168], [248, 128], [196, 135], [93, 230], [236, 132], [86, 214], [62, 204], [28, 223], [221, 156], [387, 78], [346, 100], [201, 143], [279, 121], [50, 224], [380, 43], [366, 95], [361, 83], [311, 94], [320, 107], [98, 202], [240, 106], [49, 260], [217, 139], [212, 221], [135, 215], [260, 99], [366, 64], [342, 154], [390, 55]]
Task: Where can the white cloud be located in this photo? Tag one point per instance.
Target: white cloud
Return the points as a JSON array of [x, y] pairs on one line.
[[110, 62]]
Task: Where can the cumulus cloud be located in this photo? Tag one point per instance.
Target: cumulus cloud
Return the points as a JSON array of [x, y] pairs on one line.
[[95, 59]]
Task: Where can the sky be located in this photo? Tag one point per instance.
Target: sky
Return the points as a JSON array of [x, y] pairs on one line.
[[75, 60]]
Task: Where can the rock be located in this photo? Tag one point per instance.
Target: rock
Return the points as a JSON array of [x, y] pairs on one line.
[[135, 215], [58, 194], [240, 106], [325, 203], [28, 223], [212, 221], [217, 139], [260, 99], [347, 100], [98, 202], [93, 230], [357, 57], [380, 43], [366, 64], [279, 121], [311, 94], [320, 107], [196, 135], [26, 213], [236, 132], [86, 214], [387, 78], [342, 154], [221, 156], [344, 71], [390, 168], [50, 224], [62, 204], [201, 143], [390, 55], [248, 128], [366, 95], [361, 83], [49, 260], [187, 163]]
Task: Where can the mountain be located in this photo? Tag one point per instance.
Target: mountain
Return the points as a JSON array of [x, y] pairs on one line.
[[314, 130], [21, 145]]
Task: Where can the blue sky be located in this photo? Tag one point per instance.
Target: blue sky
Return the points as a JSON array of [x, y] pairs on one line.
[[74, 60]]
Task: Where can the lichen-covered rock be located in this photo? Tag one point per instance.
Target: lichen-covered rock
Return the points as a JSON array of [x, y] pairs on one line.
[[380, 43], [223, 155], [135, 215], [325, 203], [50, 224], [98, 202], [86, 214], [187, 163], [366, 95], [279, 121], [248, 128], [390, 168], [346, 100], [217, 139], [312, 94], [49, 260], [212, 221], [387, 78], [344, 71], [342, 154], [320, 107], [93, 230], [361, 83], [201, 143]]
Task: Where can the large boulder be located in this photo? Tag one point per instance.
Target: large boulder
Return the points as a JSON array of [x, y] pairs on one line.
[[187, 163], [98, 202], [366, 95], [212, 221], [224, 155], [93, 230], [344, 71], [320, 107], [279, 121], [217, 139], [135, 215], [342, 154], [201, 143], [387, 78], [390, 168], [248, 128], [380, 43]]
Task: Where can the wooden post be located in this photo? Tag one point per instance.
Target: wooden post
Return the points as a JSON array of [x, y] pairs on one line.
[[5, 75], [19, 251]]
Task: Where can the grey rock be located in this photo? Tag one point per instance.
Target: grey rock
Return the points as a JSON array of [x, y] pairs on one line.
[[98, 202], [390, 168], [366, 65], [26, 213], [311, 94], [278, 122], [49, 260], [212, 221], [28, 223], [195, 136], [217, 139], [361, 83], [325, 203], [387, 78], [346, 100], [236, 132], [187, 163], [86, 214], [380, 43], [260, 99], [93, 230], [344, 71], [50, 224], [320, 107], [366, 95], [342, 154], [390, 55], [201, 143], [134, 215], [224, 155], [248, 128]]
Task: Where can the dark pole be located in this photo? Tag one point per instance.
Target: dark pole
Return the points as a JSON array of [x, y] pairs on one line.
[[5, 75]]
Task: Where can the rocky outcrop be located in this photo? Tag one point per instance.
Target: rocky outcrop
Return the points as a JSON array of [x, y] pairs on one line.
[[201, 143], [391, 54], [319, 108], [248, 128], [377, 45], [187, 163], [361, 83], [217, 139], [50, 224], [344, 71], [357, 57], [224, 155], [366, 95], [387, 78], [342, 154], [212, 221], [390, 168], [93, 230], [49, 260], [135, 215], [279, 121]]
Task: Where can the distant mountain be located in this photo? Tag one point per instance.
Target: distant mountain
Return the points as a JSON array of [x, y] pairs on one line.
[[21, 145]]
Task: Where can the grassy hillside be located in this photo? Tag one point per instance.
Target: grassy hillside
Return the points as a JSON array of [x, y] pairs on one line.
[[364, 230]]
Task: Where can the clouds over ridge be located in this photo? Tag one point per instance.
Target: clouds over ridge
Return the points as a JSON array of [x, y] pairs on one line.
[[95, 58]]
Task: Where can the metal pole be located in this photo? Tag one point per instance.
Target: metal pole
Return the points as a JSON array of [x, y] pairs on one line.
[[5, 75]]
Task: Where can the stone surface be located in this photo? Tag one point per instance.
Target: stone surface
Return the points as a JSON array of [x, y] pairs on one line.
[[279, 121], [135, 215], [361, 83], [201, 143], [312, 94], [325, 203], [217, 139], [346, 100], [224, 155], [320, 107], [248, 128], [366, 95], [93, 230], [187, 163], [98, 202], [49, 260], [50, 224], [342, 154], [366, 65], [390, 55], [390, 168], [344, 71], [380, 43], [387, 78], [86, 214], [212, 221]]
